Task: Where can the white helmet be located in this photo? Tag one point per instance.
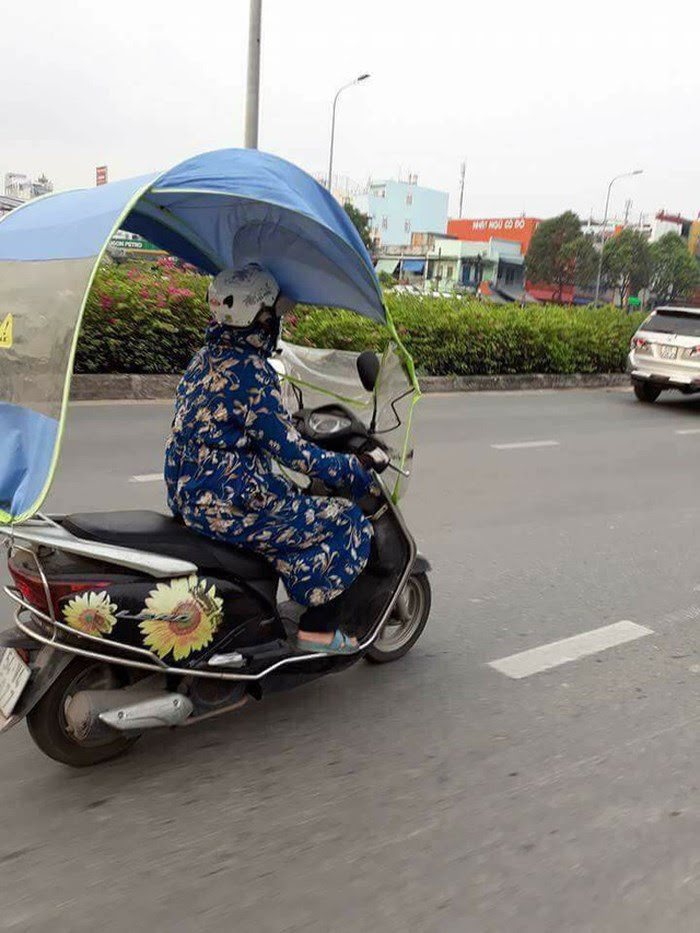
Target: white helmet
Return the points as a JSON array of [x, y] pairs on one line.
[[236, 296]]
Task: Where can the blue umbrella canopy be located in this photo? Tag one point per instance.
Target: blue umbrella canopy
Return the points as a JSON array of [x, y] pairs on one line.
[[220, 209]]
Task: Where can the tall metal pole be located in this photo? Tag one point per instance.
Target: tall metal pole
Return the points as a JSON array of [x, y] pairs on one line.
[[462, 173], [602, 244], [637, 171], [329, 180], [252, 106]]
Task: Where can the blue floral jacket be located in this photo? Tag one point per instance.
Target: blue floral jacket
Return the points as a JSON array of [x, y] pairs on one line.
[[230, 424]]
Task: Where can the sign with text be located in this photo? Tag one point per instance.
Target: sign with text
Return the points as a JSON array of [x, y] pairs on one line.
[[516, 229], [123, 241], [496, 223], [101, 175]]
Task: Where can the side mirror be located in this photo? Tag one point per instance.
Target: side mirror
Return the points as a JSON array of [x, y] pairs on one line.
[[368, 366]]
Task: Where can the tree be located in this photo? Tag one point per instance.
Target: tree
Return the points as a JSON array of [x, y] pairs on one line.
[[627, 262], [361, 222], [675, 273], [559, 253]]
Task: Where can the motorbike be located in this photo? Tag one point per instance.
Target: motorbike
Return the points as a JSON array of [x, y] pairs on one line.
[[128, 621]]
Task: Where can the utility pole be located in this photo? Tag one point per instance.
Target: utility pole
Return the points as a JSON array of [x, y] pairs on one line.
[[462, 173], [628, 208], [252, 106]]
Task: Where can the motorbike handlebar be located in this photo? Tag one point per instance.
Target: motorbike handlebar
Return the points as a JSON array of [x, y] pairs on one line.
[[345, 433]]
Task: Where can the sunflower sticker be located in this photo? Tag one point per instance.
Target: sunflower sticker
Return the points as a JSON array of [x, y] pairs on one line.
[[180, 617], [91, 613], [6, 333]]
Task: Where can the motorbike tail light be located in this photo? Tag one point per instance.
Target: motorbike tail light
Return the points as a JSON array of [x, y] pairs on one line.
[[639, 343], [32, 589]]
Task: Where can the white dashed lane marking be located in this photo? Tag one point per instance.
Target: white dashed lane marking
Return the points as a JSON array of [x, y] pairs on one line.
[[555, 653], [522, 445], [689, 431], [146, 478]]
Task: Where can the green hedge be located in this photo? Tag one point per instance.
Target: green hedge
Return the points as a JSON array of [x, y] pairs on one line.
[[147, 320]]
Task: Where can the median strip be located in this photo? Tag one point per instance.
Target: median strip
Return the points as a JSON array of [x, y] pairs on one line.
[[146, 386], [535, 660]]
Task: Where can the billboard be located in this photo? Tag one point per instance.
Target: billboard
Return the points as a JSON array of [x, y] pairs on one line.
[[481, 230]]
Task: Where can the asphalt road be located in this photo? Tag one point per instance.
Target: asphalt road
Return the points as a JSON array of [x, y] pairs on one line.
[[435, 795]]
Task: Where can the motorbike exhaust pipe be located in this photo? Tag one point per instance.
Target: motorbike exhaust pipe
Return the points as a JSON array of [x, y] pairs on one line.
[[94, 714]]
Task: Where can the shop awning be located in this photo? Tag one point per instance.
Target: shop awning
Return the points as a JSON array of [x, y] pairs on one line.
[[387, 265], [414, 265]]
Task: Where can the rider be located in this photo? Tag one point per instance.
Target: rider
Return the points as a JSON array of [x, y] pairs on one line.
[[230, 424]]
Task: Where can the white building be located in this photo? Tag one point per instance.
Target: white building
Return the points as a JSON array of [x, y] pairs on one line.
[[24, 188]]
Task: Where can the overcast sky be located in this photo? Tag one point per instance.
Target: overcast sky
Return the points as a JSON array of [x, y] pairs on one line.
[[545, 99]]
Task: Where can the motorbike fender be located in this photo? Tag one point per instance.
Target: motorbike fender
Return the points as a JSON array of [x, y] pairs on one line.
[[421, 564], [46, 667]]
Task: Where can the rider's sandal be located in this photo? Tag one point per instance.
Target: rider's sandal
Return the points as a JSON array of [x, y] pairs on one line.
[[339, 645]]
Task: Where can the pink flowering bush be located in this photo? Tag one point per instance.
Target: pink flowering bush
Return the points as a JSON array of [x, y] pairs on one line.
[[143, 318]]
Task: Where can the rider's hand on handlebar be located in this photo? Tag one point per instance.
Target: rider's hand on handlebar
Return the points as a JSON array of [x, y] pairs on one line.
[[375, 459]]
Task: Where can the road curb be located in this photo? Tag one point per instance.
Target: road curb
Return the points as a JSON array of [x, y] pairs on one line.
[[123, 386], [519, 382], [127, 386]]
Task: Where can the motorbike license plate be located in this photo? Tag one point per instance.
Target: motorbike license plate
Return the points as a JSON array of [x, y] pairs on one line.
[[668, 353], [14, 674]]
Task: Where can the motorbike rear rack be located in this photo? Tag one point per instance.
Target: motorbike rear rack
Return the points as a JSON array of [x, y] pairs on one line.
[[45, 532], [150, 661]]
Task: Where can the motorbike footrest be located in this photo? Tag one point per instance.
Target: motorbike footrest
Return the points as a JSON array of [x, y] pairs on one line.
[[268, 652]]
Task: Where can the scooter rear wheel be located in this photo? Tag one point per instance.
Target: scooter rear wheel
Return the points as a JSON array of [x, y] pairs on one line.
[[398, 635], [47, 721]]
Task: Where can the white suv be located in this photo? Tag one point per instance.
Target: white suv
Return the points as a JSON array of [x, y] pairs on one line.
[[665, 353]]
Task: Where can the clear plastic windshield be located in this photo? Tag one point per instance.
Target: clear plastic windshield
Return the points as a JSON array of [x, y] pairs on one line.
[[314, 377], [39, 309]]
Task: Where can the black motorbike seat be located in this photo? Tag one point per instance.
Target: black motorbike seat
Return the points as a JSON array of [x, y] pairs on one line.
[[162, 534]]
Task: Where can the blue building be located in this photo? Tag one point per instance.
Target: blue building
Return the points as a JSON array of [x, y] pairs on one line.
[[399, 209]]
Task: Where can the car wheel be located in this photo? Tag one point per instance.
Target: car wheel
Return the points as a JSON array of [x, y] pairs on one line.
[[646, 392]]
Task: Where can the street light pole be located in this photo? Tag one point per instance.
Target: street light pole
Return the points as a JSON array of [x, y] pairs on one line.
[[637, 171], [252, 107], [335, 104]]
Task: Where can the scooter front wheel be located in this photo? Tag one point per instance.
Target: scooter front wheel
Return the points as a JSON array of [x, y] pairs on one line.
[[402, 630]]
